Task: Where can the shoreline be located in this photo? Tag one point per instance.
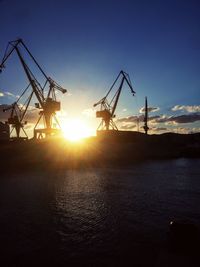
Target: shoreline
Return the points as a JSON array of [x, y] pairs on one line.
[[97, 151]]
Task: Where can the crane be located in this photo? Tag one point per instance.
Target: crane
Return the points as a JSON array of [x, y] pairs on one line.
[[47, 103], [15, 119], [107, 109], [17, 114]]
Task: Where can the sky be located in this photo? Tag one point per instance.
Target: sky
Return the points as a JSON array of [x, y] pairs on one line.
[[83, 45]]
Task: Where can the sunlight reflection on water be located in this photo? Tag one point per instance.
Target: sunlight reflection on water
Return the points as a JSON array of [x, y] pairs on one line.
[[98, 215]]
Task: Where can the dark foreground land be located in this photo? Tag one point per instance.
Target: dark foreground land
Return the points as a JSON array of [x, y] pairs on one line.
[[104, 150]]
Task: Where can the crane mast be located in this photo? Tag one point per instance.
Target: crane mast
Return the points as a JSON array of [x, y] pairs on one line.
[[107, 109], [146, 128], [47, 105]]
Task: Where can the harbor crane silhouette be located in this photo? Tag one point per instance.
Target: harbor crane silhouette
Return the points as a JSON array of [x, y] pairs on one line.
[[107, 109], [47, 103]]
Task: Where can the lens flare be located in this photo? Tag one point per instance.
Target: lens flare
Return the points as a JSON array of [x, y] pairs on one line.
[[75, 129]]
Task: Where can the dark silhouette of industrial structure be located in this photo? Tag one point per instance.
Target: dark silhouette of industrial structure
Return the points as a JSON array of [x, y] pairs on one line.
[[146, 128], [4, 131], [108, 108], [47, 103]]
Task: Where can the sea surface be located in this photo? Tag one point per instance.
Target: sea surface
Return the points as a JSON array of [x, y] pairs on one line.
[[96, 216]]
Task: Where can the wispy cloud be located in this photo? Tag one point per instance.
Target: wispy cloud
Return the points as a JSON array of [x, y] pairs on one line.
[[191, 109], [136, 119], [150, 109], [8, 94], [128, 126], [129, 119]]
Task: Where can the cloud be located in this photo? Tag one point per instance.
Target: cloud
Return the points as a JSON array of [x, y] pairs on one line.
[[159, 124], [129, 119], [180, 130], [153, 118], [131, 122], [159, 129], [162, 119], [189, 118], [150, 109], [128, 126], [31, 115], [8, 94], [184, 130], [136, 119], [190, 109], [89, 112], [195, 130]]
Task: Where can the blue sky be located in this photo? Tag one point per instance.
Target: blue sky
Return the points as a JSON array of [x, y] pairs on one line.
[[84, 44]]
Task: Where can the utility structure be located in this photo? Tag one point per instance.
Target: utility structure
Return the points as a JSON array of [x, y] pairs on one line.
[[47, 103], [15, 120], [17, 116], [146, 128], [107, 109]]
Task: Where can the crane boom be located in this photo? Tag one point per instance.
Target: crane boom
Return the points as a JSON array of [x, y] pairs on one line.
[[124, 78], [117, 97], [8, 53], [33, 84]]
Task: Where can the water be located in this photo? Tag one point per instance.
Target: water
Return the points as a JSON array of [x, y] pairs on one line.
[[96, 217]]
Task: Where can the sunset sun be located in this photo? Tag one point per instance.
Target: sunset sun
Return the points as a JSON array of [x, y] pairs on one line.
[[75, 129]]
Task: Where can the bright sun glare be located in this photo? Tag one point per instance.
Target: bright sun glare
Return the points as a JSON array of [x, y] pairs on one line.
[[75, 130]]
